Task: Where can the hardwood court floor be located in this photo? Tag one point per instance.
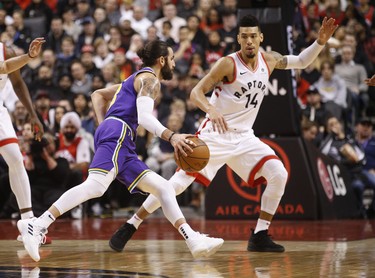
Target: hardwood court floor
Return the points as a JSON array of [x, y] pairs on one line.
[[344, 248]]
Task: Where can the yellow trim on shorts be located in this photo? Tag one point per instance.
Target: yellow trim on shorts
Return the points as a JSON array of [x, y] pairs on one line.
[[118, 147], [138, 179], [98, 170]]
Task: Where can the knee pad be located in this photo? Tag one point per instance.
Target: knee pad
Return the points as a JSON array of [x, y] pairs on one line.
[[276, 175], [181, 181], [100, 183]]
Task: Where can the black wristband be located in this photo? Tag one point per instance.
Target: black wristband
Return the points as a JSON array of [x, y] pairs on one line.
[[28, 54], [170, 137]]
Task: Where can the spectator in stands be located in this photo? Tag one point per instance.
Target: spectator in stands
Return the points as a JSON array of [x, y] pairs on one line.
[[59, 112], [38, 9], [332, 89], [19, 117], [48, 175], [83, 10], [366, 139], [67, 55], [196, 34], [87, 60], [114, 41], [82, 81], [101, 20], [127, 32], [110, 74], [186, 8], [139, 22], [214, 50], [44, 82], [315, 110], [55, 35], [73, 148], [63, 90], [49, 60], [170, 13], [344, 149], [360, 56], [184, 50], [125, 67], [42, 104], [89, 33], [98, 82], [113, 11], [212, 22], [71, 28], [353, 75], [166, 33], [228, 33], [135, 44], [152, 34], [161, 154], [310, 131], [81, 105], [23, 34], [102, 55]]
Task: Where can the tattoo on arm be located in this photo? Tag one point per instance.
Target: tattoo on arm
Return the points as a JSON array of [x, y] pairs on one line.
[[281, 61], [150, 86]]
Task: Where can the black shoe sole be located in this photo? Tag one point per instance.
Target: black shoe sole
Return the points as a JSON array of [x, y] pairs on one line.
[[115, 248], [265, 250]]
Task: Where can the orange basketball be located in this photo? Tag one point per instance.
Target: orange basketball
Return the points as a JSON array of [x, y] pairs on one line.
[[197, 160]]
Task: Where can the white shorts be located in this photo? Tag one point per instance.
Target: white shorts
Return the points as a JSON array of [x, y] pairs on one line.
[[7, 133], [243, 152]]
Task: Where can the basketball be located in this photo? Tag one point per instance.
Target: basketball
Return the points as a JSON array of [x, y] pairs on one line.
[[197, 160]]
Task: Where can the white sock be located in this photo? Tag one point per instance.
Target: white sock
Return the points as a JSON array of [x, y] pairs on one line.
[[262, 225], [186, 231], [27, 215], [135, 221], [45, 220]]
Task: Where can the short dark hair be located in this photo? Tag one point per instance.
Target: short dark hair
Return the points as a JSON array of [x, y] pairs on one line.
[[249, 21], [152, 51]]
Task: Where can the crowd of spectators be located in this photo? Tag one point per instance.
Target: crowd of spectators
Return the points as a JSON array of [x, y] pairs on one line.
[[91, 44]]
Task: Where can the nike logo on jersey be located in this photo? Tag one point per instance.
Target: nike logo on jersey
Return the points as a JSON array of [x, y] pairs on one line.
[[242, 73]]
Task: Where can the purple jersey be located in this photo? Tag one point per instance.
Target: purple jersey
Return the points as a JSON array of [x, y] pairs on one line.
[[115, 138], [123, 105]]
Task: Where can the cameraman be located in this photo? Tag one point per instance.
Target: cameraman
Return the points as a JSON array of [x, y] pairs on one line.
[[48, 175]]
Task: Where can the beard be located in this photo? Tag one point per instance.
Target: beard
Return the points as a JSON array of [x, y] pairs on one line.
[[166, 72]]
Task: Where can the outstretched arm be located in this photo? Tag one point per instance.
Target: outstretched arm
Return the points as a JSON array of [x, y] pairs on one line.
[[148, 87], [18, 62], [370, 81], [308, 55]]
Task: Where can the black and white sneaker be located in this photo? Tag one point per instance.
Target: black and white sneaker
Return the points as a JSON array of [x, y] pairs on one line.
[[121, 237], [262, 242]]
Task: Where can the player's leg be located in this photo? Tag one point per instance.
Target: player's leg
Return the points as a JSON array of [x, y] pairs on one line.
[[259, 160], [33, 231], [180, 181], [199, 245], [18, 178]]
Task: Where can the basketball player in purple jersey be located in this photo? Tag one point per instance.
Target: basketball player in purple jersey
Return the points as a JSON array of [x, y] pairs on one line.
[[120, 109], [239, 82]]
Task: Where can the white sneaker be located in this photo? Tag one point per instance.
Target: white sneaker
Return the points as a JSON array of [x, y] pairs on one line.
[[32, 237], [203, 246]]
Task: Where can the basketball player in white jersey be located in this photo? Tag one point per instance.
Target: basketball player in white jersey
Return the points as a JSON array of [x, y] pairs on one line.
[[9, 149], [239, 82]]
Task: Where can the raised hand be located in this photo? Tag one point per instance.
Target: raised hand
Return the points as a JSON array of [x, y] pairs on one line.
[[326, 30], [370, 81], [35, 47]]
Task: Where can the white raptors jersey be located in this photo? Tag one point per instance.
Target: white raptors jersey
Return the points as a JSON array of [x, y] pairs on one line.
[[3, 77], [240, 100]]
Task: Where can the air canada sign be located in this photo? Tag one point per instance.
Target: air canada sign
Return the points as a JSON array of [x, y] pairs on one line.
[[229, 197]]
